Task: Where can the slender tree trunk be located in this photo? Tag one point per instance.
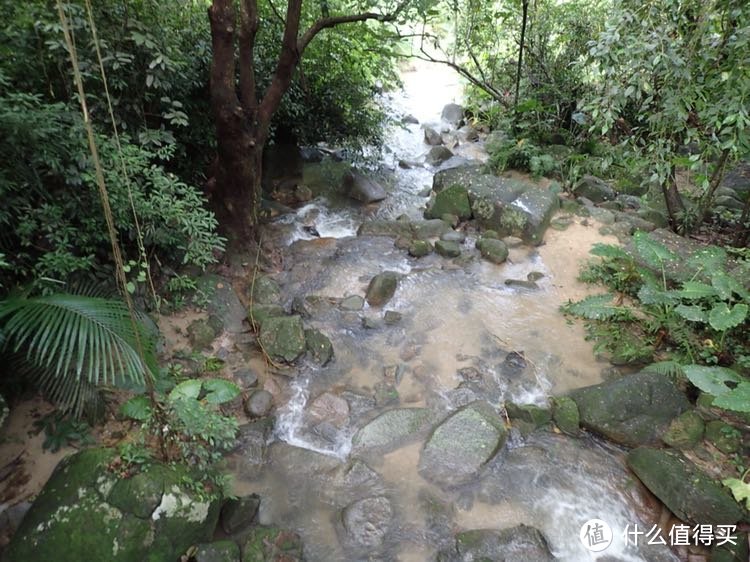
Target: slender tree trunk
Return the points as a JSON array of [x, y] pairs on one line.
[[743, 227], [672, 198], [520, 51], [705, 202]]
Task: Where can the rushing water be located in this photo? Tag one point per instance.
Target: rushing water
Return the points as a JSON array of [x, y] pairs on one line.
[[456, 320]]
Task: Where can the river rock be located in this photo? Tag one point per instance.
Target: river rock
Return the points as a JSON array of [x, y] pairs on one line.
[[390, 429], [459, 175], [381, 227], [201, 334], [511, 545], [685, 431], [259, 313], [448, 249], [565, 415], [259, 404], [267, 544], [530, 214], [218, 551], [85, 512], [723, 436], [437, 155], [331, 408], [409, 119], [528, 413], [633, 410], [453, 113], [251, 450], [239, 514], [461, 445], [419, 248], [688, 493], [264, 290], [367, 521], [432, 137], [432, 228], [492, 250], [594, 189], [283, 338], [382, 287], [246, 378], [453, 200], [319, 346], [362, 188], [352, 303]]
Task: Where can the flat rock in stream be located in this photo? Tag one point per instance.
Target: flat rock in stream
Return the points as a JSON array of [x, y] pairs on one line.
[[506, 545], [633, 410], [462, 444], [390, 429], [362, 188]]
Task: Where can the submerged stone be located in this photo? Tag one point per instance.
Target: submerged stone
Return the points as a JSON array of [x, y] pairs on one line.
[[367, 521], [390, 429], [462, 444], [382, 287], [511, 545], [272, 544], [319, 346]]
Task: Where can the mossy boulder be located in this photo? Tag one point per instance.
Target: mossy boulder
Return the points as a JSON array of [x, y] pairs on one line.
[[453, 200], [723, 436], [86, 512], [272, 544], [685, 431], [218, 551], [528, 413], [633, 410], [259, 313], [319, 346], [419, 248], [492, 250], [460, 175], [688, 492], [565, 415], [462, 444], [447, 248], [201, 334], [283, 337], [517, 543], [382, 287], [264, 290], [594, 189]]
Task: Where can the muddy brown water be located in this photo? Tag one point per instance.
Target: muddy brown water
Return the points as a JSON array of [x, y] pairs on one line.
[[456, 319]]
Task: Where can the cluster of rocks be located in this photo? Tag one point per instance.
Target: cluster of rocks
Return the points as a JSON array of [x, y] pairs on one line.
[[87, 511]]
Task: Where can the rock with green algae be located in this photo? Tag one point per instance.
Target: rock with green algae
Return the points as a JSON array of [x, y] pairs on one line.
[[688, 492], [462, 444], [723, 436], [419, 248], [514, 544], [85, 512], [492, 250], [218, 551], [565, 415], [272, 544], [264, 290], [319, 346], [685, 431], [529, 413], [382, 287], [448, 249], [391, 428], [259, 313], [452, 201], [283, 338]]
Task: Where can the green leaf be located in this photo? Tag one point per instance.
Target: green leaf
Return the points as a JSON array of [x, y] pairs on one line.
[[652, 252], [692, 313], [650, 294], [137, 408], [189, 389], [737, 399], [220, 391], [608, 251], [723, 285], [668, 368], [722, 318], [696, 290], [712, 380], [596, 307], [740, 490]]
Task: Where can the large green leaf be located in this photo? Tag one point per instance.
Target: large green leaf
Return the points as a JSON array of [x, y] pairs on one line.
[[692, 313], [609, 251], [137, 408], [71, 344], [652, 252], [740, 490], [722, 318], [737, 399], [652, 294], [596, 307], [693, 290], [712, 380], [186, 390], [219, 391]]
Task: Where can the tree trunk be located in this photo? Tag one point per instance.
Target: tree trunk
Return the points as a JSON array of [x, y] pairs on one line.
[[672, 198]]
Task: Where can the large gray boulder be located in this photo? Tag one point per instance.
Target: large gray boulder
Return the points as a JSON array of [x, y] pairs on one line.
[[688, 493], [529, 215], [432, 137], [462, 444], [506, 545], [594, 189], [437, 155], [362, 188], [461, 175], [453, 113], [87, 512], [390, 429], [223, 302], [633, 410]]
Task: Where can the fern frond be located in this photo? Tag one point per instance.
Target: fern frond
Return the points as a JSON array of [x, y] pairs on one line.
[[667, 368], [72, 344], [597, 307]]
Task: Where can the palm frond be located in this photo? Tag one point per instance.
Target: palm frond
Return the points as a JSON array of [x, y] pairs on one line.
[[72, 343]]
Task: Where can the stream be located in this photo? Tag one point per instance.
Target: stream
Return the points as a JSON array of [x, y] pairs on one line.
[[459, 333]]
